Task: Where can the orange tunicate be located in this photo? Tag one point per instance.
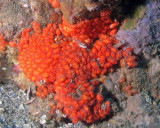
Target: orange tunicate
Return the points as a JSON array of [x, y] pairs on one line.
[[58, 64], [129, 87], [64, 59], [123, 63], [58, 32], [113, 32], [12, 44], [86, 31], [2, 47], [122, 80], [99, 98], [54, 3], [129, 90], [132, 64], [119, 55], [3, 43], [107, 41], [113, 25]]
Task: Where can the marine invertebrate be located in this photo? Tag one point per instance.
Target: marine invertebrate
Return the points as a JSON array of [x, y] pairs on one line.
[[67, 66], [59, 65], [54, 3], [3, 43], [88, 30], [12, 44], [129, 90]]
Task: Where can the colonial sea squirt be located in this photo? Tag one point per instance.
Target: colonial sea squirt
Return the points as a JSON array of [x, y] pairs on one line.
[[68, 58]]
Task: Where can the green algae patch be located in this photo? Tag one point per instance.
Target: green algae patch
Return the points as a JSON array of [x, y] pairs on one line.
[[132, 20]]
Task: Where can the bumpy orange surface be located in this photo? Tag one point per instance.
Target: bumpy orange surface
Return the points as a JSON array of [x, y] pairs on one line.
[[3, 43], [68, 66], [88, 30], [54, 3]]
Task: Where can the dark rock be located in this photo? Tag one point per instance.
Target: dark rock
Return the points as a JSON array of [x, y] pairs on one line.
[[76, 10]]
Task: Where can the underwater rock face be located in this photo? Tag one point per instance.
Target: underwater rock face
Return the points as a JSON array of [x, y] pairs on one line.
[[75, 10], [145, 37], [13, 110], [15, 15]]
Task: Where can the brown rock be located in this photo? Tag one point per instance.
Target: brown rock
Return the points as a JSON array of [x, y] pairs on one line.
[[75, 10], [134, 103]]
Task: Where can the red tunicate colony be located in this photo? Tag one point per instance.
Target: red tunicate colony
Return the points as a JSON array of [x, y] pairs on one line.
[[3, 43], [68, 58], [65, 59]]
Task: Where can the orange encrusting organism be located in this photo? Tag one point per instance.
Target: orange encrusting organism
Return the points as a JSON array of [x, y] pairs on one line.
[[88, 30], [12, 44], [3, 43], [60, 65], [54, 3], [67, 66], [129, 90]]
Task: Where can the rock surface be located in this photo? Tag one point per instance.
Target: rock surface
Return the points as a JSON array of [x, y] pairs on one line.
[[13, 110], [76, 10], [141, 32]]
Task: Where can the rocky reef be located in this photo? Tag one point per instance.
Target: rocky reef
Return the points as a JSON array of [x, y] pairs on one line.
[[117, 89]]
